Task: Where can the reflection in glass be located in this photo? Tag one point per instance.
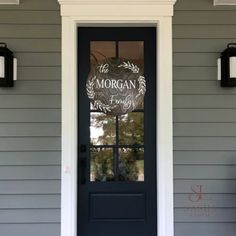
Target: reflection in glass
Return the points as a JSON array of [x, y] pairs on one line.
[[131, 128], [117, 162], [132, 50], [102, 129], [131, 164], [101, 165], [100, 50]]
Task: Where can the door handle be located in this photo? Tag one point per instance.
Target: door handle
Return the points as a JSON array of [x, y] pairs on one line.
[[83, 170]]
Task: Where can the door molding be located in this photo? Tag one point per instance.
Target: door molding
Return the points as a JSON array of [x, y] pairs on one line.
[[76, 13]]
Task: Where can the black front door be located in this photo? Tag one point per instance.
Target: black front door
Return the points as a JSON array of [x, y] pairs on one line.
[[117, 154]]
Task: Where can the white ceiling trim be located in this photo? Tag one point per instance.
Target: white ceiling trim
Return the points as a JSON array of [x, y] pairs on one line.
[[115, 2], [16, 2], [224, 2]]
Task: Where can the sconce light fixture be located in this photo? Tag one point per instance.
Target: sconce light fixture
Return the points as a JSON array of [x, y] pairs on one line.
[[227, 66], [8, 66]]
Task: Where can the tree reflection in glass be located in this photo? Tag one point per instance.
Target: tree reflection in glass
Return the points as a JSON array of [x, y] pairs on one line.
[[131, 129], [117, 147], [117, 142], [131, 164], [101, 167], [102, 129]]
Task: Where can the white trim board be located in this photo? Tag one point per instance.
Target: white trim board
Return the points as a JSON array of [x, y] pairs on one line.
[[143, 14], [115, 2], [224, 2], [16, 2]]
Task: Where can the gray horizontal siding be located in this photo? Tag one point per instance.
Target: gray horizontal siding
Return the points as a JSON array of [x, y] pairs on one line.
[[34, 45], [201, 87], [29, 172], [220, 200], [205, 157], [29, 187], [200, 45], [195, 73], [30, 229], [200, 5], [29, 144], [30, 17], [204, 31], [201, 214], [204, 121], [31, 158], [29, 31], [204, 129], [204, 172], [29, 201], [205, 143], [29, 216], [30, 118], [204, 101], [205, 115], [38, 59], [194, 17], [34, 5], [195, 59], [29, 115], [213, 186], [30, 129], [34, 87], [38, 73], [205, 229], [30, 101]]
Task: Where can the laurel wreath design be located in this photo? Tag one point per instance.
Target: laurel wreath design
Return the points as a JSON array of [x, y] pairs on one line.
[[89, 88], [101, 106], [142, 86], [130, 66], [91, 94], [141, 79], [108, 108]]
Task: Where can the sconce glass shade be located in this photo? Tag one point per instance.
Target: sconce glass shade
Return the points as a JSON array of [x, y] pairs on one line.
[[228, 66], [232, 67], [6, 66], [2, 67]]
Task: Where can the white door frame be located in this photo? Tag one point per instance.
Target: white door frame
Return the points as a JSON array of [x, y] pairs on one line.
[[156, 13]]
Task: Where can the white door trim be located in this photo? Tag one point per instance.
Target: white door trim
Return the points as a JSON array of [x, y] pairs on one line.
[[77, 13]]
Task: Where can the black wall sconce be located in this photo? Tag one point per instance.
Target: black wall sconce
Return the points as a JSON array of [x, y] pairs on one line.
[[227, 66], [8, 66]]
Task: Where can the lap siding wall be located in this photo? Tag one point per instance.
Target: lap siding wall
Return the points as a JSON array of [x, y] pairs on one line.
[[30, 121], [204, 121]]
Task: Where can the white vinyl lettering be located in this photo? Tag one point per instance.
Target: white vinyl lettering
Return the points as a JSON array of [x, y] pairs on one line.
[[112, 83]]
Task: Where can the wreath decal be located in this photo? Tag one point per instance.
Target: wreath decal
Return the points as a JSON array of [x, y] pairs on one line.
[[141, 79], [104, 69], [130, 66]]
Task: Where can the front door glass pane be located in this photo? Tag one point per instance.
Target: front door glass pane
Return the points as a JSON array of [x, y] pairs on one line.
[[102, 129], [131, 164], [101, 168], [131, 129], [117, 142]]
